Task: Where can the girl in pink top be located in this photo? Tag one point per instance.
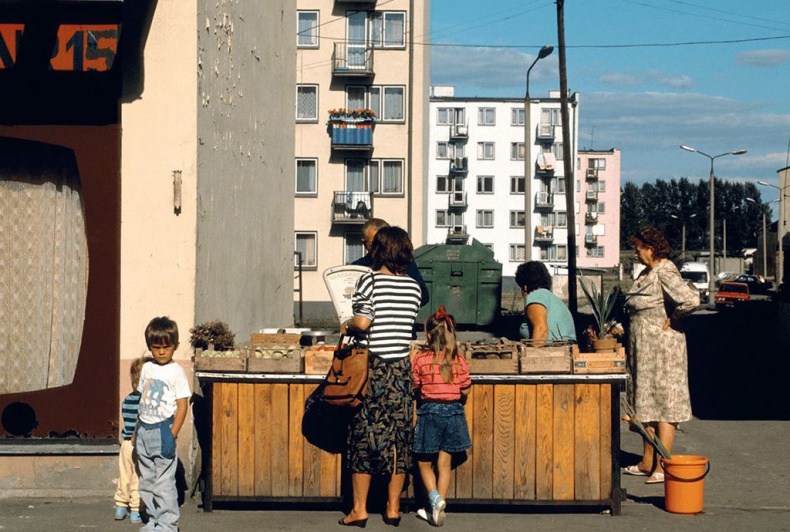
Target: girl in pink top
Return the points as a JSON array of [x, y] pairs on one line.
[[441, 380]]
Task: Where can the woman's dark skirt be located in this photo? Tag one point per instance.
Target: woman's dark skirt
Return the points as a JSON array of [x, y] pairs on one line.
[[381, 432]]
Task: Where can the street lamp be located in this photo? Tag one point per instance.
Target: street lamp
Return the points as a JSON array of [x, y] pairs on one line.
[[711, 284], [544, 52], [780, 229], [765, 242], [683, 239]]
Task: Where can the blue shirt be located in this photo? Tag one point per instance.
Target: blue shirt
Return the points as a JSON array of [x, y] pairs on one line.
[[558, 317]]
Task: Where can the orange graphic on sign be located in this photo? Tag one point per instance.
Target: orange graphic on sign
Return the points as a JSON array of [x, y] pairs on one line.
[[82, 47], [10, 36]]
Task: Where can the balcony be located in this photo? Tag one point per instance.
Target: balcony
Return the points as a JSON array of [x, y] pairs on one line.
[[591, 240], [459, 165], [458, 200], [591, 218], [352, 60], [352, 134], [592, 174], [355, 2], [459, 132], [545, 132], [545, 164], [591, 196], [457, 235], [544, 234], [544, 200], [351, 207]]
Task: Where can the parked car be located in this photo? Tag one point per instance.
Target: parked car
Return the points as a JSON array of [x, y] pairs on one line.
[[756, 284], [731, 294]]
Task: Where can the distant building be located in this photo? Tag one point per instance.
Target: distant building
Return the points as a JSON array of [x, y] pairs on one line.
[[598, 192]]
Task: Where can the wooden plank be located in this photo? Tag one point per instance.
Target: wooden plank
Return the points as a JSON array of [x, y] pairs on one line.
[[563, 481], [524, 442], [229, 428], [504, 437], [605, 446], [279, 441], [246, 439], [544, 441], [587, 468], [296, 442], [464, 474], [216, 437], [482, 461], [329, 480], [263, 439]]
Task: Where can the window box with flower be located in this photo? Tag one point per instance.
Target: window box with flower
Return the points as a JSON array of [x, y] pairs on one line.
[[352, 128]]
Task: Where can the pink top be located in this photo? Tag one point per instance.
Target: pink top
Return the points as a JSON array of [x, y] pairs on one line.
[[428, 379]]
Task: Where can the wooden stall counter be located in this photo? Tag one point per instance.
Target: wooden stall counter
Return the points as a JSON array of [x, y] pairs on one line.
[[536, 440]]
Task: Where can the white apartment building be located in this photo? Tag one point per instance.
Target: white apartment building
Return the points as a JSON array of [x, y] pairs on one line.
[[598, 190], [355, 60], [476, 184]]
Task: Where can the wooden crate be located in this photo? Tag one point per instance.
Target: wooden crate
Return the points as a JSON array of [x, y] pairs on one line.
[[274, 338], [318, 359], [606, 362], [275, 359], [491, 359], [548, 359], [224, 364]]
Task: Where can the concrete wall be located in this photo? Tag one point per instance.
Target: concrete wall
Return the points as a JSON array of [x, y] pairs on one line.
[[245, 184]]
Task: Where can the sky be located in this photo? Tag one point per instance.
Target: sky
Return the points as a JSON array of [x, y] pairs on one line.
[[651, 75]]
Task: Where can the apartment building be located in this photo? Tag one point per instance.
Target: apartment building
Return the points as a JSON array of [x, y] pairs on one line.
[[476, 186], [598, 191], [361, 103]]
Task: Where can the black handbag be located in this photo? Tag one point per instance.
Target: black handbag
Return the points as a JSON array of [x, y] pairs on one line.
[[324, 425]]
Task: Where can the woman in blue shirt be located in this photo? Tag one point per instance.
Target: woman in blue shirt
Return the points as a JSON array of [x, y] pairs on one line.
[[547, 316]]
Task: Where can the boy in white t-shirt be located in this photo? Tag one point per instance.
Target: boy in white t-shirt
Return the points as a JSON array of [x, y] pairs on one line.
[[163, 408]]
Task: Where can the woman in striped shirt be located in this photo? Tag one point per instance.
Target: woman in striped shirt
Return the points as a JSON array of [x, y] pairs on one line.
[[385, 306]]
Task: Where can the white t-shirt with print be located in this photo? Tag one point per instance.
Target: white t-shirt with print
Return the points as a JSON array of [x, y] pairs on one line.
[[160, 387]]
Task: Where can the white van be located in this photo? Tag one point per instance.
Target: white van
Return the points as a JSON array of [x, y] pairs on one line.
[[697, 273]]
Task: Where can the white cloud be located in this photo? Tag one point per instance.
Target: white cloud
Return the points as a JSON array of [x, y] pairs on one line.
[[764, 58], [649, 77]]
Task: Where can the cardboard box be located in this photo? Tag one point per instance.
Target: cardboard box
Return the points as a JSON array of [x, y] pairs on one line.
[[318, 359], [491, 359], [550, 359], [606, 362], [234, 361]]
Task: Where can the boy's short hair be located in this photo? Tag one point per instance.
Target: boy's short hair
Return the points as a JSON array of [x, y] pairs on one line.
[[161, 330], [135, 369]]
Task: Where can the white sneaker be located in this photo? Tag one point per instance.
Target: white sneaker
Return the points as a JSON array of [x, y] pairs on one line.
[[437, 513], [422, 513]]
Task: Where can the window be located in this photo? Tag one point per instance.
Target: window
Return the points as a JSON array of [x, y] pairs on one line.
[[600, 186], [305, 243], [557, 149], [517, 116], [374, 100], [599, 164], [387, 29], [547, 218], [517, 184], [595, 251], [383, 177], [353, 247], [442, 183], [307, 103], [485, 219], [562, 252], [307, 29], [442, 150], [356, 176], [393, 105], [486, 116], [356, 97], [485, 184], [446, 218], [516, 151], [559, 253], [558, 185], [516, 219], [562, 219], [517, 253], [551, 117], [485, 150], [448, 116], [600, 207], [391, 178], [306, 171]]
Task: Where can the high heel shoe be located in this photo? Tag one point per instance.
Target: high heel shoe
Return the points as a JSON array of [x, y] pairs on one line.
[[392, 521], [360, 523]]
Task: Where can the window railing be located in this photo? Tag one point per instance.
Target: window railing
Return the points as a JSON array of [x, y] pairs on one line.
[[351, 59], [459, 165], [544, 233], [544, 200], [591, 217], [352, 207]]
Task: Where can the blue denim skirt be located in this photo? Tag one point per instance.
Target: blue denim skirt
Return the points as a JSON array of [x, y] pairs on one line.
[[441, 427]]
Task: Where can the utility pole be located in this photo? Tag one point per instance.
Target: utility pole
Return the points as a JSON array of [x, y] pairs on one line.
[[568, 163]]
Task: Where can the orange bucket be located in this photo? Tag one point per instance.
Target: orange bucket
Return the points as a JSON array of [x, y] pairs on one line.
[[684, 483]]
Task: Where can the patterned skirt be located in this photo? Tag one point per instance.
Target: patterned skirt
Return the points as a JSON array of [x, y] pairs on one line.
[[381, 432]]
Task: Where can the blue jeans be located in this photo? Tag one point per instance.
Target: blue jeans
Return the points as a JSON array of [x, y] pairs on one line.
[[157, 461], [441, 427]]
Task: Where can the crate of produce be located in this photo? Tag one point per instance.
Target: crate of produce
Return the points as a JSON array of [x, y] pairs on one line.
[[229, 361], [600, 362], [491, 358], [275, 358], [547, 358], [318, 359]]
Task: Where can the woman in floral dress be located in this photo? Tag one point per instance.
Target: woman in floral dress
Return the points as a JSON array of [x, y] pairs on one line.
[[657, 345]]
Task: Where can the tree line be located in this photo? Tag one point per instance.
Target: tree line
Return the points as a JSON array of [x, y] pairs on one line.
[[668, 205]]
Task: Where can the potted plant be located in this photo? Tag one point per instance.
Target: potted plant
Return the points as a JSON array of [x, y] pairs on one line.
[[342, 116], [214, 335], [606, 329]]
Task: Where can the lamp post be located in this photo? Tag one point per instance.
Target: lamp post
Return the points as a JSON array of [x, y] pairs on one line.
[[683, 238], [765, 241], [780, 229], [544, 52], [711, 284]]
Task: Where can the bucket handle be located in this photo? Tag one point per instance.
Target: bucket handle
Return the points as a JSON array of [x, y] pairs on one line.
[[676, 479]]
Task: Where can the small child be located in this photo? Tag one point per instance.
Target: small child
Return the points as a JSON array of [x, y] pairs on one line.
[[127, 499], [164, 399], [441, 379]]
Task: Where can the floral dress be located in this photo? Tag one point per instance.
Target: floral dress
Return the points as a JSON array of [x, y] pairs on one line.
[[659, 359]]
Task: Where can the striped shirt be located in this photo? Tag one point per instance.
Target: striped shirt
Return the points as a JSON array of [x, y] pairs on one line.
[[391, 302], [129, 414], [430, 382]]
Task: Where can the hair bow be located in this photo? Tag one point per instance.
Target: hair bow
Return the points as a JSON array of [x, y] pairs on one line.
[[440, 314]]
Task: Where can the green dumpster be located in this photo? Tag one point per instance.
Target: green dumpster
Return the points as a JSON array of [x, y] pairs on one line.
[[464, 278]]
